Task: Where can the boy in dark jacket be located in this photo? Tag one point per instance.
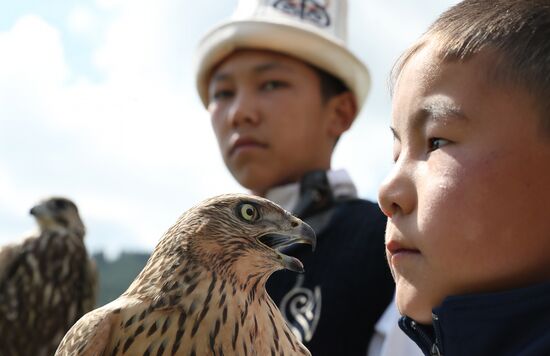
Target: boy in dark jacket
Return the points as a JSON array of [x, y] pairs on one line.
[[281, 87], [468, 199]]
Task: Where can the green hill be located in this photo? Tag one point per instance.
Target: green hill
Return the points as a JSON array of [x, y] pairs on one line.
[[115, 276]]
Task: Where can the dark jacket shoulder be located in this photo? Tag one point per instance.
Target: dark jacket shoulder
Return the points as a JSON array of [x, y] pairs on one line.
[[510, 323]]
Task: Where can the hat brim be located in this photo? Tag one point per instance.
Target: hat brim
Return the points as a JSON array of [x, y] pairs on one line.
[[311, 47]]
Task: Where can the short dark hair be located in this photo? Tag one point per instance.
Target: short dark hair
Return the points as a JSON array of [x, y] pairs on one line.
[[517, 30], [330, 85]]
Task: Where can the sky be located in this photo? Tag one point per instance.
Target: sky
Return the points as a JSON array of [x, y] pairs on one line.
[[98, 104]]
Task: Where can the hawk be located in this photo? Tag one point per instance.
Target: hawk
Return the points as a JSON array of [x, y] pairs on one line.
[[47, 282], [202, 291]]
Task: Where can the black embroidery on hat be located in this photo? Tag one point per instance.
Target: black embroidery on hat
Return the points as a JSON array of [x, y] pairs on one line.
[[310, 10]]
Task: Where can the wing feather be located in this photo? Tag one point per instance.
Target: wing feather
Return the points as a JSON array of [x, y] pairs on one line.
[[8, 255], [89, 336]]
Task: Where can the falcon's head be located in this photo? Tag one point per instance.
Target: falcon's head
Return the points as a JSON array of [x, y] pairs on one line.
[[242, 234], [58, 214]]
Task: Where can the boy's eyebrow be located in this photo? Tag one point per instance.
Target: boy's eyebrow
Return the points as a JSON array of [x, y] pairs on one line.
[[438, 108], [220, 77], [264, 67]]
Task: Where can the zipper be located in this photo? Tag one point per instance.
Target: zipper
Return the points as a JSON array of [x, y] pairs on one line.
[[432, 346], [424, 337], [436, 347]]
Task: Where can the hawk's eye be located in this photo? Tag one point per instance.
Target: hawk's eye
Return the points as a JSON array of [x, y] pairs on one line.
[[248, 212], [59, 204]]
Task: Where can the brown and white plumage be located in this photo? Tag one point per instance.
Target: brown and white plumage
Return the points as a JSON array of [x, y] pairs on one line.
[[202, 292], [47, 282]]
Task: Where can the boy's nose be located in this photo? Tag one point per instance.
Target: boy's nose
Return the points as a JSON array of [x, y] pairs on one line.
[[396, 195], [244, 110]]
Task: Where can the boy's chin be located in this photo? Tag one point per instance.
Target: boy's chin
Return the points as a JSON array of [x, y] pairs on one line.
[[255, 183], [410, 302]]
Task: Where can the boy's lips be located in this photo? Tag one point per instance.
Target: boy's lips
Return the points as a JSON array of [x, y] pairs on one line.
[[245, 143], [394, 248]]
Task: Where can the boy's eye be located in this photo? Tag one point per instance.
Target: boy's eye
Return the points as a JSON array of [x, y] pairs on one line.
[[395, 157], [273, 84], [222, 94], [396, 151], [435, 143]]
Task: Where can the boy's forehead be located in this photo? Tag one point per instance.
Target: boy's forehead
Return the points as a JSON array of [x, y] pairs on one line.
[[427, 62], [426, 68], [254, 61], [415, 78], [431, 86], [424, 64]]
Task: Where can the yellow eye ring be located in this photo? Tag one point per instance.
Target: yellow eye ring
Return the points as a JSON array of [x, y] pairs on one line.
[[248, 212]]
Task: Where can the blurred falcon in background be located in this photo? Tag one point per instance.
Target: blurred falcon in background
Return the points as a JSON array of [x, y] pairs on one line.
[[47, 282], [202, 292]]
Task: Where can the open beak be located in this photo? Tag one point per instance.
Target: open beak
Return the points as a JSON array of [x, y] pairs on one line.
[[300, 233]]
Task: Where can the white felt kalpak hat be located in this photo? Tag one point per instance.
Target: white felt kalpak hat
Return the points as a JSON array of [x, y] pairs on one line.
[[314, 31]]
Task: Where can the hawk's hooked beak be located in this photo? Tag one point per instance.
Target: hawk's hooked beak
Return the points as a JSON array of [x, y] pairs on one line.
[[299, 233], [41, 213], [37, 210]]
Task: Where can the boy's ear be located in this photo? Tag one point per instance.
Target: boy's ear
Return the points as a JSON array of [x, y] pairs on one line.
[[343, 111]]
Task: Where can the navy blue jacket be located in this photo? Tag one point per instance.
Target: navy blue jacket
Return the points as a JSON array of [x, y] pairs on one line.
[[347, 284], [511, 323]]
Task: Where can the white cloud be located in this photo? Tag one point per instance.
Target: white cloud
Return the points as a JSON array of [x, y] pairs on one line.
[[32, 57], [14, 199], [80, 20], [108, 4]]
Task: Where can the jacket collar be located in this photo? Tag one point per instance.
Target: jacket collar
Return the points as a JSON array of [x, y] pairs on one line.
[[313, 198], [315, 191], [514, 322]]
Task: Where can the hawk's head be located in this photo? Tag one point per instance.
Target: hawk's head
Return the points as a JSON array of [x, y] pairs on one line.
[[242, 234], [58, 214]]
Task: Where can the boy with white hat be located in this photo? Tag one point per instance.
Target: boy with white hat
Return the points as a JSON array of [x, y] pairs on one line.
[[281, 87]]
